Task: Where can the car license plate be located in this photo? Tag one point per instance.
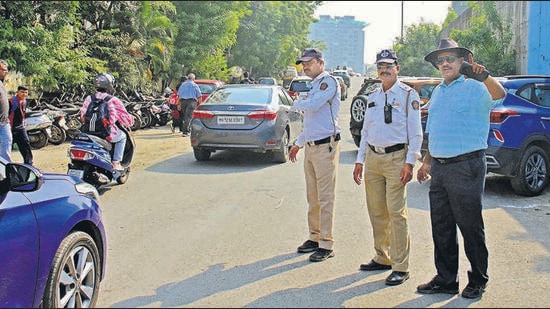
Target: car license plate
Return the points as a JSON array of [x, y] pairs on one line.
[[230, 120], [77, 173]]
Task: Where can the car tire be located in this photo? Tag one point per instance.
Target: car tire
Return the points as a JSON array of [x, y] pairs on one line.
[[281, 155], [532, 175], [76, 263], [202, 154], [357, 111]]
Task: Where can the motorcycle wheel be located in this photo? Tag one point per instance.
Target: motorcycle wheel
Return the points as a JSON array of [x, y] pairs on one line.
[[145, 119], [163, 120], [137, 121], [38, 140], [58, 135], [74, 124]]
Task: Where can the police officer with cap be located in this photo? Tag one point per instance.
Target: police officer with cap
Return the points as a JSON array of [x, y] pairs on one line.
[[320, 139], [390, 146]]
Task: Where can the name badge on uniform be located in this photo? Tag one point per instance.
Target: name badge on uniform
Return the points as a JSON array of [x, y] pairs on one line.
[[371, 104]]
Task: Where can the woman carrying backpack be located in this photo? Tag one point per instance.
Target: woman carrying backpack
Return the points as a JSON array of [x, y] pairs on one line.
[[101, 111]]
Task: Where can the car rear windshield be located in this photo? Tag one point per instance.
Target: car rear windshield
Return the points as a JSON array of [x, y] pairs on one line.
[[301, 86], [206, 88], [240, 95]]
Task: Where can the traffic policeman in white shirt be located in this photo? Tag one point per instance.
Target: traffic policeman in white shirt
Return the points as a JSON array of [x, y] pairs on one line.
[[390, 145], [320, 138]]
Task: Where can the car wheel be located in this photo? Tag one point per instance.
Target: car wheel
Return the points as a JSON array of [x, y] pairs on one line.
[[357, 110], [201, 154], [281, 155], [74, 278], [532, 175]]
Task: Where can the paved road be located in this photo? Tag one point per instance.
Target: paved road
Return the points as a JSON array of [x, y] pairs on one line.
[[224, 233]]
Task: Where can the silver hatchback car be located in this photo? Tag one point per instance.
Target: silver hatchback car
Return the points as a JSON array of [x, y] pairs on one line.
[[251, 117]]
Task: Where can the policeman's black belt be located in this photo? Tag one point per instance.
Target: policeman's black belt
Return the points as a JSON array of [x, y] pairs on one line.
[[324, 140], [389, 149]]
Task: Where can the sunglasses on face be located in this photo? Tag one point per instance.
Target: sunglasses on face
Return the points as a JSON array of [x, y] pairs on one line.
[[449, 59], [385, 66]]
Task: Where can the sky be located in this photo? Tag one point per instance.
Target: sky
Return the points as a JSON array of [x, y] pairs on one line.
[[384, 18]]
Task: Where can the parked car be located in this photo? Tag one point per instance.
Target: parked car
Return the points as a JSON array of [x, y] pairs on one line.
[[52, 244], [300, 86], [423, 85], [207, 86], [343, 88], [267, 81], [345, 76], [519, 135], [250, 117]]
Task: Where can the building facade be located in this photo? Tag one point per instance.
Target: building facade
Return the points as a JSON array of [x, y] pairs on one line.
[[344, 38], [529, 25]]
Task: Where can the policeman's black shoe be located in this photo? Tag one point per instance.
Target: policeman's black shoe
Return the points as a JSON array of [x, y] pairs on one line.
[[434, 288], [473, 290], [372, 265], [321, 254], [397, 277], [308, 246]]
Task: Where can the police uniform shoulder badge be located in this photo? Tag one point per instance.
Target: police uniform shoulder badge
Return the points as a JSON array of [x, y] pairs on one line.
[[323, 86], [415, 105]]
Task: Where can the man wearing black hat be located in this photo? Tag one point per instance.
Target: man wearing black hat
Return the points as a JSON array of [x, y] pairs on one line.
[[390, 145], [457, 128], [320, 137]]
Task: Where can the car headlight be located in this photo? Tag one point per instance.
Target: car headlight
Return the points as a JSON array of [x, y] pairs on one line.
[[87, 189]]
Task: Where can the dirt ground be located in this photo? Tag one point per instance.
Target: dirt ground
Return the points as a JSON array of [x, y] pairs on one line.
[[152, 145]]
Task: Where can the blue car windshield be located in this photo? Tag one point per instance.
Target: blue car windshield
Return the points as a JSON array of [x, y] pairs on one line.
[[240, 95]]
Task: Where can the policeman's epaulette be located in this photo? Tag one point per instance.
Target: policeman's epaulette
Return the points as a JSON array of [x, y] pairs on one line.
[[406, 87]]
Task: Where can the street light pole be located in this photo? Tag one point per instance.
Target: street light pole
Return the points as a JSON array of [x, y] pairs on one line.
[[402, 8]]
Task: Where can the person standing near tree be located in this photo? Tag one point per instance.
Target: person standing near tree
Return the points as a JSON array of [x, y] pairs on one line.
[[390, 146], [455, 159], [189, 94], [320, 137], [18, 105], [6, 139]]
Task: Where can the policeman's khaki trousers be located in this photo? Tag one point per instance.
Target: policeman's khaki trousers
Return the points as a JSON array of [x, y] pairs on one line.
[[387, 207], [321, 168]]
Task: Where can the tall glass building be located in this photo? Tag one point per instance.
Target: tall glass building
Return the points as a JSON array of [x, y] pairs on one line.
[[345, 40]]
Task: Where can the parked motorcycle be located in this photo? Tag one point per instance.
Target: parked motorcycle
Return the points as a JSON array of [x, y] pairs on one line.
[[91, 159], [38, 126], [59, 126]]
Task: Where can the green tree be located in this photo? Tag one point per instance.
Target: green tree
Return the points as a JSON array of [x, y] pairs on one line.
[[417, 43], [489, 38], [206, 31], [272, 36]]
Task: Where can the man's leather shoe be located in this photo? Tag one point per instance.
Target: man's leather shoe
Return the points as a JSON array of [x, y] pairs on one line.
[[308, 246], [372, 265], [473, 291], [397, 277], [321, 254], [432, 288]]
